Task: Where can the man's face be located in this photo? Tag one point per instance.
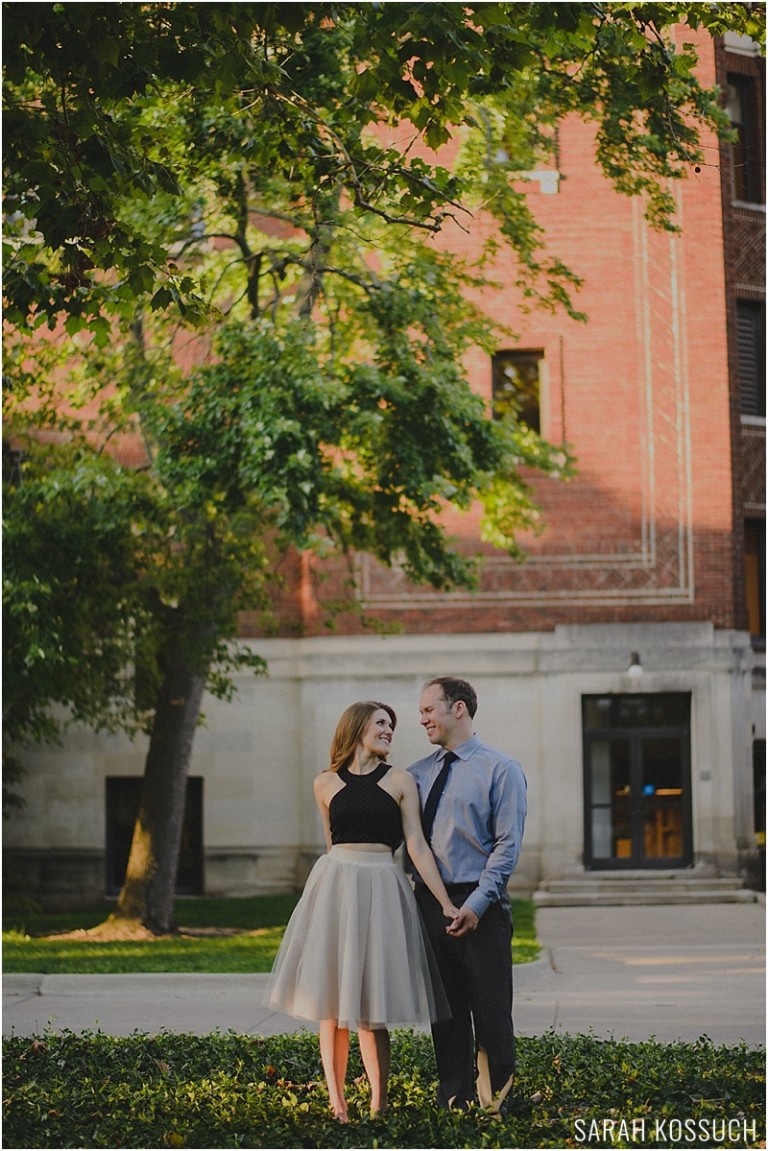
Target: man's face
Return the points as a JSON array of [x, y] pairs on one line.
[[438, 718]]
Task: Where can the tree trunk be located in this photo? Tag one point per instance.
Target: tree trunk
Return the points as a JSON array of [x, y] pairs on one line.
[[147, 896]]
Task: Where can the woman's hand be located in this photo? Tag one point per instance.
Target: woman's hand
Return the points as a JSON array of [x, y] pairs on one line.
[[464, 924], [450, 911]]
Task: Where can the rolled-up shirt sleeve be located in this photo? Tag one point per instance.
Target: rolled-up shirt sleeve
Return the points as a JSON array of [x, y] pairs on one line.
[[508, 808]]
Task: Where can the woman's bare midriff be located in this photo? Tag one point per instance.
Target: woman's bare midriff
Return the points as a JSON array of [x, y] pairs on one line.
[[366, 847]]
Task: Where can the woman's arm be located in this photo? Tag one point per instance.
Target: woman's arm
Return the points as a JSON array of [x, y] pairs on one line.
[[322, 799], [418, 849]]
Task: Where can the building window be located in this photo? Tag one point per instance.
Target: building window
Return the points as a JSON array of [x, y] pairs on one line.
[[123, 794], [758, 774], [750, 334], [742, 112], [754, 571], [517, 387]]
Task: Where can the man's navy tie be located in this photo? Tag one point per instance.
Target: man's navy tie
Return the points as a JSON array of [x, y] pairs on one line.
[[436, 790]]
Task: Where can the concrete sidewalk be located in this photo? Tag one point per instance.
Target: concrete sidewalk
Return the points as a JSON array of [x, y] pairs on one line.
[[677, 972]]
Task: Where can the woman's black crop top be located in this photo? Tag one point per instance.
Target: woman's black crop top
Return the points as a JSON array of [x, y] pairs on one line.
[[363, 812]]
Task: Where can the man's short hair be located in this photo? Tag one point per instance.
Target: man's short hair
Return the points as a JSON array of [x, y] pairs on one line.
[[455, 690]]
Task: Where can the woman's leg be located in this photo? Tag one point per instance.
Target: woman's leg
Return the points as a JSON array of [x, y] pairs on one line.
[[375, 1052], [334, 1051]]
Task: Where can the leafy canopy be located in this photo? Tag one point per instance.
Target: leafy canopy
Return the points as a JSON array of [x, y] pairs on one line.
[[302, 83]]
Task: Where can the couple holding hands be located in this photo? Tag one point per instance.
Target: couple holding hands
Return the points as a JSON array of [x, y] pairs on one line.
[[366, 949]]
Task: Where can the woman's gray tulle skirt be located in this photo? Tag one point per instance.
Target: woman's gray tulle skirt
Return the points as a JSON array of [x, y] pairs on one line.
[[355, 949]]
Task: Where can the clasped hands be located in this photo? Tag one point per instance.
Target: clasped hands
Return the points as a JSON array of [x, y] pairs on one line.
[[463, 921]]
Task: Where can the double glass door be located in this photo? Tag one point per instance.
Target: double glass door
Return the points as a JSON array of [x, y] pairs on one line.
[[637, 781]]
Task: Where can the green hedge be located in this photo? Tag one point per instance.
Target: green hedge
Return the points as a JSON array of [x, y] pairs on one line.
[[243, 1091]]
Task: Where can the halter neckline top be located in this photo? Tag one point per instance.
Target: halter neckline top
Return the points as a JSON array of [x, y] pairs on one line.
[[363, 812], [373, 776]]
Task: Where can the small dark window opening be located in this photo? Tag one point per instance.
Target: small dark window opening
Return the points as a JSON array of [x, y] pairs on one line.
[[750, 320], [516, 387], [744, 150], [754, 573], [122, 796], [758, 771]]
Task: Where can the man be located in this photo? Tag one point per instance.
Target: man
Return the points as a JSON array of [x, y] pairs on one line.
[[475, 835]]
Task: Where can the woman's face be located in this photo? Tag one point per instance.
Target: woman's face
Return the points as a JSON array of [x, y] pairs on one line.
[[377, 734]]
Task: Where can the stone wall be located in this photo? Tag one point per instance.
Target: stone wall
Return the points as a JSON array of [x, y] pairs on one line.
[[259, 754]]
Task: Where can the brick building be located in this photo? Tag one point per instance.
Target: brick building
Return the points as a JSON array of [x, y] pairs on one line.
[[623, 663]]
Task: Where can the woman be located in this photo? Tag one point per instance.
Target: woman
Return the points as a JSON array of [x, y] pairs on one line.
[[354, 954]]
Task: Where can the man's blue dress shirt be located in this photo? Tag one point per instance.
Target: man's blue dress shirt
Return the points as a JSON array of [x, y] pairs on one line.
[[480, 818]]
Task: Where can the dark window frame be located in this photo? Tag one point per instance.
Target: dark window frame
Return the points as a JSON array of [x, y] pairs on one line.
[[758, 778], [523, 403], [754, 546], [750, 338], [745, 152], [121, 799]]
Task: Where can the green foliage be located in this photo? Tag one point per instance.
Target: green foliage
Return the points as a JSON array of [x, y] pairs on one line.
[[282, 441], [80, 84], [260, 919], [244, 1091], [70, 596], [89, 557]]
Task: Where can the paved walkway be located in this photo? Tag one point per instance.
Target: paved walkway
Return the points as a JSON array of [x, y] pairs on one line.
[[675, 972]]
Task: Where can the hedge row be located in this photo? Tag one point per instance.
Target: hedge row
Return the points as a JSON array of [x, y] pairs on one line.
[[94, 1091]]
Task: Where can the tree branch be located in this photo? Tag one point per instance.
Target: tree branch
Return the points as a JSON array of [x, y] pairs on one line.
[[355, 182]]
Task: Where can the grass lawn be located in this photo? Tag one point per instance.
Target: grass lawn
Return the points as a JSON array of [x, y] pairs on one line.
[[217, 935]]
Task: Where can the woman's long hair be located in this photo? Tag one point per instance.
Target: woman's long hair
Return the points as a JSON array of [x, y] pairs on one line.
[[350, 728]]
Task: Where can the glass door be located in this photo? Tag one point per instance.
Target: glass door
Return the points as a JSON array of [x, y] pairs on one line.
[[637, 781], [663, 798]]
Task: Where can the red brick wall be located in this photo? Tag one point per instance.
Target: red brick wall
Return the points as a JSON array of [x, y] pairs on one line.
[[641, 392], [744, 261]]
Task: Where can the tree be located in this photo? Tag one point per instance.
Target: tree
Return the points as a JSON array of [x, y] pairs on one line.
[[68, 575], [227, 166]]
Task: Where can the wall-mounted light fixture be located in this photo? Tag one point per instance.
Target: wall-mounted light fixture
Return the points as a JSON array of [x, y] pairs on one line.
[[635, 669]]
